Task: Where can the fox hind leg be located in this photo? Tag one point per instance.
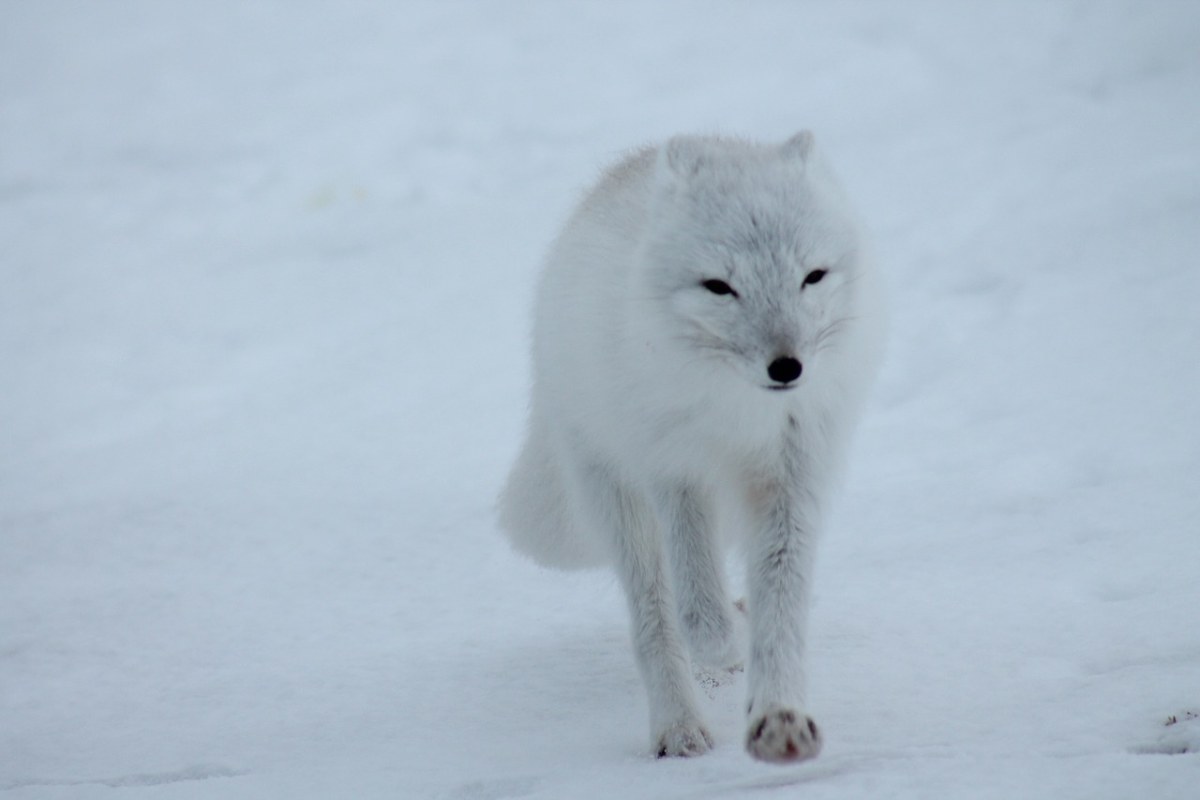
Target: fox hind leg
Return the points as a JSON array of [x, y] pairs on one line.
[[711, 626]]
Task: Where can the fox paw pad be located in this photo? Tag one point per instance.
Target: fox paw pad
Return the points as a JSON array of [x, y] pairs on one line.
[[783, 736]]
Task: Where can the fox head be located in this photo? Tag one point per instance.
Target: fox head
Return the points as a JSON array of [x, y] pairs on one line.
[[752, 260]]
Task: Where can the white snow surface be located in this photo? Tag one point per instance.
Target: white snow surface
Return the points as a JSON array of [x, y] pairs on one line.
[[265, 279]]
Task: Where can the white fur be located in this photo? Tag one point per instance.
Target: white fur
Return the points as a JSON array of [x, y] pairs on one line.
[[651, 406]]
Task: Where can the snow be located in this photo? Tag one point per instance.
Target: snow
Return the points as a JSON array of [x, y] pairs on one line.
[[264, 290]]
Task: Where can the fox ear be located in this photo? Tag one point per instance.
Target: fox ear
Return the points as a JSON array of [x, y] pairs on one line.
[[684, 156], [799, 146]]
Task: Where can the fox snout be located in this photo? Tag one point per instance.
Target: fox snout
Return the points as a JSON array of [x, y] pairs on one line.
[[783, 371]]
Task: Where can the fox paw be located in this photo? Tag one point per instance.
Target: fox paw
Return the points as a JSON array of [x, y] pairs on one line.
[[684, 739], [783, 736]]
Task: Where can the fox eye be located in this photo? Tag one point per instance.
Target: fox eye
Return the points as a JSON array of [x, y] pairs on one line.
[[814, 277], [718, 287]]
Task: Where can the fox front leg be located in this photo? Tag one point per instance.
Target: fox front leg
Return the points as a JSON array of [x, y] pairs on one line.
[[676, 728], [780, 578]]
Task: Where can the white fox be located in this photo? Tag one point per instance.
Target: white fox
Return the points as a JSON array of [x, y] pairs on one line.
[[706, 327]]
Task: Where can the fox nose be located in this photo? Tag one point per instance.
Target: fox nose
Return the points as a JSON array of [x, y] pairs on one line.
[[784, 369]]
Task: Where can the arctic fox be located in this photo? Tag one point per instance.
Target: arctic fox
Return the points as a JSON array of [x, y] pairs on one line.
[[705, 328]]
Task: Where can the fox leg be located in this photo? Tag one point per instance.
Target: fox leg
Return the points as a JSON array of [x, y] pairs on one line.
[[779, 586], [705, 612], [676, 728]]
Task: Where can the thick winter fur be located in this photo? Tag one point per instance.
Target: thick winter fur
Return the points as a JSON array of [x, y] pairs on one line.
[[675, 309]]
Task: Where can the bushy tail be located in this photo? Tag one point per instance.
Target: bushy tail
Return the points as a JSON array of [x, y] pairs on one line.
[[537, 514]]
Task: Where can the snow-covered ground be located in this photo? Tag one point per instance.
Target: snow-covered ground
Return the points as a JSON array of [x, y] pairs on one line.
[[265, 272]]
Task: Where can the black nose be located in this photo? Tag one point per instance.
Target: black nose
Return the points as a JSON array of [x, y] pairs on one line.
[[784, 369]]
